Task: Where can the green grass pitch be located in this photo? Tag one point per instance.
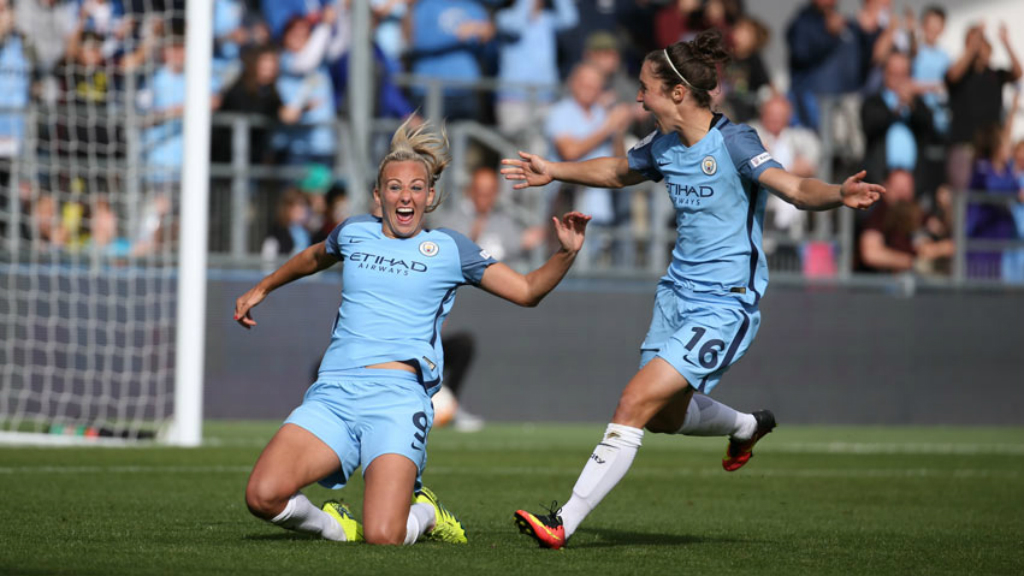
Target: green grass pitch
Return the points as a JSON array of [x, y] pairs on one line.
[[816, 500]]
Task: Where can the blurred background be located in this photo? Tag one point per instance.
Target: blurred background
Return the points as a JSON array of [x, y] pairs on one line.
[[911, 313]]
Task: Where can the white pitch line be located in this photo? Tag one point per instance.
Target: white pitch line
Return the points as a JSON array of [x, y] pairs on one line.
[[938, 448], [515, 471], [124, 469], [898, 448], [968, 473]]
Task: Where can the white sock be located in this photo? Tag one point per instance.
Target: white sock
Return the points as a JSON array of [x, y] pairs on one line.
[[607, 465], [707, 417], [302, 516], [422, 518]]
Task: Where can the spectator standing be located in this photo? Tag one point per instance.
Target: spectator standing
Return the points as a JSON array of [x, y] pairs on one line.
[[445, 38], [604, 51], [931, 63], [304, 85], [580, 128], [255, 93], [975, 97], [824, 57], [163, 143], [527, 34], [230, 35], [83, 125], [15, 80], [47, 25], [796, 148], [896, 121], [745, 74], [387, 33]]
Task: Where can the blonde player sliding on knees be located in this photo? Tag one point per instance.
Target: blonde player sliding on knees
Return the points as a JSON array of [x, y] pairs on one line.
[[370, 405], [706, 315]]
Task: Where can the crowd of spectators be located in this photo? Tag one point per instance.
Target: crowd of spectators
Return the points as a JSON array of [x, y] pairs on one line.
[[928, 120]]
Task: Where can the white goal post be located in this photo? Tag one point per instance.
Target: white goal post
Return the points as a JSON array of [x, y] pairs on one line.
[[104, 179]]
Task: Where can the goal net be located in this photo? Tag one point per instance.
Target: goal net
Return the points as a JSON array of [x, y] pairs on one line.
[[91, 150]]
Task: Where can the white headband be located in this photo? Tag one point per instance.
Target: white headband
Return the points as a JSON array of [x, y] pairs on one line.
[[673, 66]]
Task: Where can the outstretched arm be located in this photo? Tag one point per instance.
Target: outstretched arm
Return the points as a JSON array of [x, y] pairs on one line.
[[1015, 67], [532, 170], [530, 289], [309, 261], [813, 194]]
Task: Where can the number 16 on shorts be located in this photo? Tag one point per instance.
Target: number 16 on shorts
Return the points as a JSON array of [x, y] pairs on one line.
[[710, 340]]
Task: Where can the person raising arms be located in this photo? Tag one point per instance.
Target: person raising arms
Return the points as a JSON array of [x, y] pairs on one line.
[[706, 310], [370, 405]]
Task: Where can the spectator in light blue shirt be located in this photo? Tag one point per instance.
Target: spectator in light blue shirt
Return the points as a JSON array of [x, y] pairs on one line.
[[15, 77], [579, 128], [445, 38], [930, 66], [529, 54], [162, 142], [229, 35], [308, 97], [164, 105], [388, 35]]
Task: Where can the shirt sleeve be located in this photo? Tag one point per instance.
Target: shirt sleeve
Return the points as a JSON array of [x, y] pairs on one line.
[[641, 158], [333, 243], [473, 259], [748, 153], [334, 240]]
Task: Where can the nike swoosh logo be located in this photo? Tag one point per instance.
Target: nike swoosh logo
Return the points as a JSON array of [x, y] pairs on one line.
[[415, 447], [553, 536]]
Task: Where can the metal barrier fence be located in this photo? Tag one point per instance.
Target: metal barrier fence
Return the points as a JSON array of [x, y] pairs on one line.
[[244, 194]]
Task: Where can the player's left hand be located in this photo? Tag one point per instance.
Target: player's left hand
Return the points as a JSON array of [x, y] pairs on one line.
[[859, 194], [571, 230], [244, 305]]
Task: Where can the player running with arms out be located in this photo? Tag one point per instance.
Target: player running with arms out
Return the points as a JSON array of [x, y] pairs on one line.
[[706, 308], [370, 405]]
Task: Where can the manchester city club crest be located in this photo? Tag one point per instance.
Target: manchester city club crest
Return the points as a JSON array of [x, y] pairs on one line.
[[428, 248], [708, 165]]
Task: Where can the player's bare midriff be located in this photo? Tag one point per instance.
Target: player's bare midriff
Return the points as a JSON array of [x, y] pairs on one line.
[[393, 366]]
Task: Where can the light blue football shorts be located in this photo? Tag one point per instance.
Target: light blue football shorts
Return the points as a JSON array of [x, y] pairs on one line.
[[700, 335], [363, 413]]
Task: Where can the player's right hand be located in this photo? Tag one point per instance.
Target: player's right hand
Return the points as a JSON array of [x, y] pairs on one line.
[[531, 169], [244, 305]]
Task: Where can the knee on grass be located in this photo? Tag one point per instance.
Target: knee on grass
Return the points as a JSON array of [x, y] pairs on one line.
[[266, 499], [385, 533]]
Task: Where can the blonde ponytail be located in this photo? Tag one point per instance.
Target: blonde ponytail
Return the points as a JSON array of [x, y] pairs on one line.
[[424, 145]]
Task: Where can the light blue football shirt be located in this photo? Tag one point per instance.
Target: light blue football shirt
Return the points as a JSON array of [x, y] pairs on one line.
[[719, 207], [396, 294]]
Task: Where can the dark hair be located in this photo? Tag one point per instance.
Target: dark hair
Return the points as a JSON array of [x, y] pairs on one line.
[[250, 63], [697, 64], [934, 9]]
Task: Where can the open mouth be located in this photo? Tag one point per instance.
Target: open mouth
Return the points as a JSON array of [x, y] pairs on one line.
[[404, 215]]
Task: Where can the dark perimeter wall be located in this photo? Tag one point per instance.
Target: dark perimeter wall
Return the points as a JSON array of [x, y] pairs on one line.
[[822, 355]]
